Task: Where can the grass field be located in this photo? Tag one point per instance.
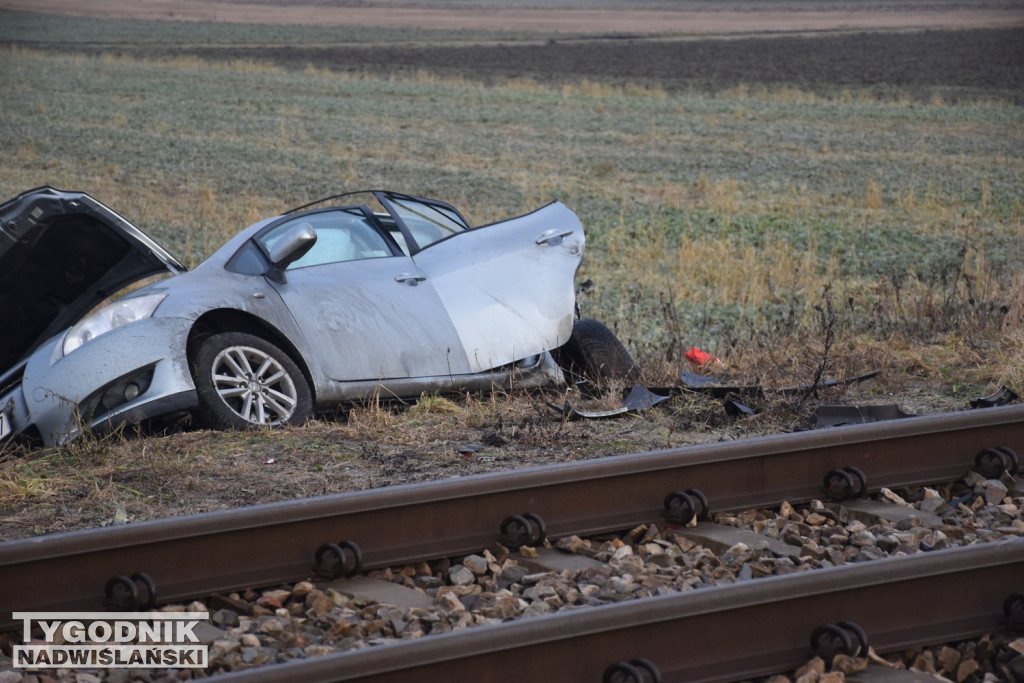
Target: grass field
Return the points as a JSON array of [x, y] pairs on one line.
[[715, 218], [858, 205]]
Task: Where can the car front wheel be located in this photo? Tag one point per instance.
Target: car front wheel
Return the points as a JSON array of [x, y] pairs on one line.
[[244, 381]]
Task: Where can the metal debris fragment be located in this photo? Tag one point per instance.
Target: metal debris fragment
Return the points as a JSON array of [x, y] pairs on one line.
[[639, 398]]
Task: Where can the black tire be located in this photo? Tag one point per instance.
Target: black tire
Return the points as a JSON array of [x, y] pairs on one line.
[[244, 381], [595, 353]]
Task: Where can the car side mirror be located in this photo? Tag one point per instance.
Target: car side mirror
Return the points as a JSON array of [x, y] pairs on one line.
[[289, 248]]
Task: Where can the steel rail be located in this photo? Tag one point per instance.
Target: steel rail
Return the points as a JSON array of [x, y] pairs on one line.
[[263, 545], [718, 633]]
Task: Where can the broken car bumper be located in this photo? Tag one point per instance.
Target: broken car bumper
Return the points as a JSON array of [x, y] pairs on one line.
[[136, 373]]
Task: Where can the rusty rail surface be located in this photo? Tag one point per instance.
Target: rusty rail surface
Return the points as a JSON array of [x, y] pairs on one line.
[[263, 545], [718, 633]]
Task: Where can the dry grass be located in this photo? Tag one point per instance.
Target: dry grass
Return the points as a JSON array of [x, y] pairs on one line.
[[88, 483], [122, 478], [734, 222]]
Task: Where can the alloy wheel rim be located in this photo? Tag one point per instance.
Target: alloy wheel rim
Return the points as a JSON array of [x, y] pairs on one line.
[[254, 385]]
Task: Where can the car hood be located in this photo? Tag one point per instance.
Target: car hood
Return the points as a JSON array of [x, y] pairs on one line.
[[61, 254]]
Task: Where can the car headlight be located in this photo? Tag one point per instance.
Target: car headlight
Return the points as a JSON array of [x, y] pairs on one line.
[[117, 314]]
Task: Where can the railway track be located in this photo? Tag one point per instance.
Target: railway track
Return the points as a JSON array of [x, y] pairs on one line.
[[719, 633], [281, 542]]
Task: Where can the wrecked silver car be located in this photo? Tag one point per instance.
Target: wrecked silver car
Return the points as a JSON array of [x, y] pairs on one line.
[[363, 294]]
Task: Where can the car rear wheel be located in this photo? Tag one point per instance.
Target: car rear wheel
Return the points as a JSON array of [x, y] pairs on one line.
[[594, 352], [244, 381]]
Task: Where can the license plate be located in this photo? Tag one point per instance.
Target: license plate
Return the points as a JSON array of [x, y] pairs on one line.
[[5, 425]]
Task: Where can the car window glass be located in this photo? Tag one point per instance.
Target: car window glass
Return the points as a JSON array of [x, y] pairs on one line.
[[248, 261], [388, 222], [340, 236], [428, 223]]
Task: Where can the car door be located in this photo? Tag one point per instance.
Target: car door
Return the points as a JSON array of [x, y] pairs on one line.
[[367, 310], [508, 288]]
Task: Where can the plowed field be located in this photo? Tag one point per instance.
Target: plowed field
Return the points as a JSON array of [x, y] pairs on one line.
[[955, 64], [881, 51]]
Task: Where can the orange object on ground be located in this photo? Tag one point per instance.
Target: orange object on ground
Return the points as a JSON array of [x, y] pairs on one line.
[[700, 358]]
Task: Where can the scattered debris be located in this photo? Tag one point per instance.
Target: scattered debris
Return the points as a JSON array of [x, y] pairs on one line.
[[1000, 397], [735, 409], [642, 398], [835, 416], [714, 387], [639, 398]]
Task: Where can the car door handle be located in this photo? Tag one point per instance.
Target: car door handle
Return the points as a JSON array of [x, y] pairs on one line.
[[553, 237], [411, 279]]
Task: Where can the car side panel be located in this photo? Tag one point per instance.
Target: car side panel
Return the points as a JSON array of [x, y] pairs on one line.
[[538, 371], [363, 324], [509, 296]]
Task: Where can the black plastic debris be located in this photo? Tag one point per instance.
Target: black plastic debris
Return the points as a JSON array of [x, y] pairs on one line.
[[639, 398], [714, 387], [836, 416], [1001, 397], [736, 409]]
